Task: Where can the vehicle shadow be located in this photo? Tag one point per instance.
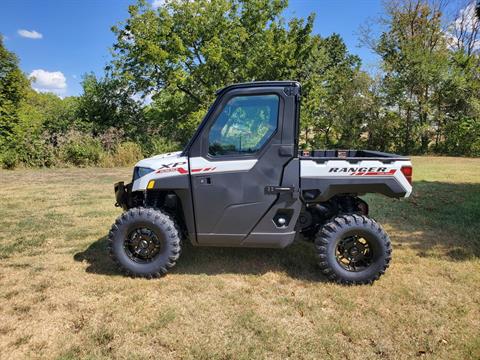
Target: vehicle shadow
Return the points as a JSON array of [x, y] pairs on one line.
[[438, 220], [97, 258], [298, 260]]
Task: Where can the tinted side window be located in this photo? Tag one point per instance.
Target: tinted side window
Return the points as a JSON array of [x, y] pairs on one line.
[[245, 124]]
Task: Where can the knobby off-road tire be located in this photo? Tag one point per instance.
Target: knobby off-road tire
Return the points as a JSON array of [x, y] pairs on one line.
[[144, 242], [359, 235]]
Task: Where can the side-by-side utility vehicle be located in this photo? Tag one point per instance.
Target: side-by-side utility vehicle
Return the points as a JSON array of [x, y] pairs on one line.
[[241, 181]]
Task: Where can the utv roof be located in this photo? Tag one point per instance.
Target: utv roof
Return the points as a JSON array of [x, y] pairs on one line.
[[257, 84]]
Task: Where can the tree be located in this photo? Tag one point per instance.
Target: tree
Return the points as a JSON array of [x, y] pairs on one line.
[[107, 103], [414, 61], [464, 31], [332, 101], [13, 87], [185, 50], [430, 77], [458, 107]]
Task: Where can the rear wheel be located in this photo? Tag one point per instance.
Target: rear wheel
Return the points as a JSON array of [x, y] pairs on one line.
[[144, 242], [353, 249]]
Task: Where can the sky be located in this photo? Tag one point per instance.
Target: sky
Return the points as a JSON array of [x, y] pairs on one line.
[[58, 41]]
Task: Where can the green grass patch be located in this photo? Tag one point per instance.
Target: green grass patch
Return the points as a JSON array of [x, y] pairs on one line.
[[62, 297]]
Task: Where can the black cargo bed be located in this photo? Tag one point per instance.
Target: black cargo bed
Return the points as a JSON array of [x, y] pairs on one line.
[[350, 155]]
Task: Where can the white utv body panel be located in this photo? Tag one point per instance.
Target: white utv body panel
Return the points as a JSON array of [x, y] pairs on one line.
[[173, 164], [322, 172], [358, 173], [164, 165], [156, 161]]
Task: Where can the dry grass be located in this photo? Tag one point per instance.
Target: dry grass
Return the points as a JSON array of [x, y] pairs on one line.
[[61, 297]]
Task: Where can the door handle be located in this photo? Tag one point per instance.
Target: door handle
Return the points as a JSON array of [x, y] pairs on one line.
[[276, 190]]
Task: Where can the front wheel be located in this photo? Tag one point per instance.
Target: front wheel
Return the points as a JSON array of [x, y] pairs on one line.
[[144, 242], [353, 249]]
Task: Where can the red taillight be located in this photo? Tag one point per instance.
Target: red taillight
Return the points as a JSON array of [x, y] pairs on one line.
[[407, 171]]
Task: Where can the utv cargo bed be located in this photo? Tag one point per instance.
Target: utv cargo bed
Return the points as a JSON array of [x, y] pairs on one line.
[[350, 155], [326, 173]]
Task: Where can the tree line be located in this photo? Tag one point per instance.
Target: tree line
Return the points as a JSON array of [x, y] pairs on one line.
[[168, 62]]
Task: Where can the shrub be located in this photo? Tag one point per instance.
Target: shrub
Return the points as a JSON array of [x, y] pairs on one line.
[[28, 149], [82, 150], [159, 145], [9, 159], [36, 152], [111, 138], [125, 154]]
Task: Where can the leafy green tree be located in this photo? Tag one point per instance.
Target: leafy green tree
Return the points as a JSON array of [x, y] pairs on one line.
[[457, 127], [107, 103], [53, 114], [415, 59], [430, 83], [13, 87], [331, 113], [185, 50]]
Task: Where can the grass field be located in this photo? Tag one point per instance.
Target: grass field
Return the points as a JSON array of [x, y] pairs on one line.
[[61, 296]]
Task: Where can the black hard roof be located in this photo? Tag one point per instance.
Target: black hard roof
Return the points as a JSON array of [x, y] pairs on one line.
[[258, 84]]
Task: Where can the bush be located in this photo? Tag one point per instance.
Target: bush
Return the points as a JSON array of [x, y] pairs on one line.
[[82, 150], [158, 145], [28, 149], [462, 138], [9, 159], [111, 138], [125, 154], [36, 152]]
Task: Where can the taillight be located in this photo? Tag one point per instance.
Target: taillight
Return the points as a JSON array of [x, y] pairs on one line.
[[407, 171]]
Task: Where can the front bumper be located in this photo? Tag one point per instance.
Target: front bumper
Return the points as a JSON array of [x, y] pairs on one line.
[[123, 195]]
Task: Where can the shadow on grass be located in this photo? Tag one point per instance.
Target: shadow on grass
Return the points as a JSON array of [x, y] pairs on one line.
[[298, 260], [97, 258], [439, 219]]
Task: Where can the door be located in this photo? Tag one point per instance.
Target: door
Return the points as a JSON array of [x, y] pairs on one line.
[[239, 153]]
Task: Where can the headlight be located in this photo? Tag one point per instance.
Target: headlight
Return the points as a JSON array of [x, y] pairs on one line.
[[138, 172]]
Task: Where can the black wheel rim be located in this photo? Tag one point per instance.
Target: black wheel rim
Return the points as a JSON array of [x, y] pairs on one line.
[[354, 253], [142, 245]]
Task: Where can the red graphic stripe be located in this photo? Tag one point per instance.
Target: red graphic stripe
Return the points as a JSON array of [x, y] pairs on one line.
[[373, 173], [183, 171]]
